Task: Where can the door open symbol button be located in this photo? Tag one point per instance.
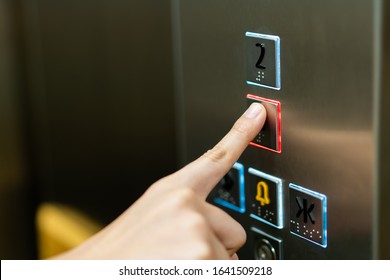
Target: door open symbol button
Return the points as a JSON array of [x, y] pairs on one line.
[[308, 215]]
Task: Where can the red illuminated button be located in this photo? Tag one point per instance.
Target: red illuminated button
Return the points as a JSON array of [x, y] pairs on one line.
[[269, 137]]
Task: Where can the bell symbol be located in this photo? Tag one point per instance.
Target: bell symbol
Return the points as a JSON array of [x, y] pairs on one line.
[[262, 193]]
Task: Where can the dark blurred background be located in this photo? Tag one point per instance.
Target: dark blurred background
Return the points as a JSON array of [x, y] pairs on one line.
[[86, 109]]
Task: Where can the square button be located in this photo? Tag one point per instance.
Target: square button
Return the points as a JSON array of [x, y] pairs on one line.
[[230, 191], [270, 137], [263, 60], [308, 215], [265, 196]]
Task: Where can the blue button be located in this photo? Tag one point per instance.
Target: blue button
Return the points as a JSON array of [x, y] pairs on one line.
[[308, 215], [230, 191]]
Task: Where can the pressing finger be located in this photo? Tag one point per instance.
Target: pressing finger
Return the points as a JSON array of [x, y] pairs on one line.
[[205, 172]]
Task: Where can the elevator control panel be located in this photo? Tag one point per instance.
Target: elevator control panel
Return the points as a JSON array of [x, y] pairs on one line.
[[263, 60], [274, 206], [269, 137], [270, 203]]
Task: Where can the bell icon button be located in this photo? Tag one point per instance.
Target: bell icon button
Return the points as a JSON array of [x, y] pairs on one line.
[[265, 199]]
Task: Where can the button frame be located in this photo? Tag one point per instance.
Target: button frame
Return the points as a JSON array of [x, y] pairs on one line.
[[254, 76], [279, 215], [273, 124], [241, 191], [295, 227]]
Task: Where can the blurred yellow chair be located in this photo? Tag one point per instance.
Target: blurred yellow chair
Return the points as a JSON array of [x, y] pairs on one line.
[[61, 227]]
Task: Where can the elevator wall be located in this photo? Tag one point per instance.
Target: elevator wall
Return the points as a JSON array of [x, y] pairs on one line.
[[17, 202], [94, 87], [333, 97]]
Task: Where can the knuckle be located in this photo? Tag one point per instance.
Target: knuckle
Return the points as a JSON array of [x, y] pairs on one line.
[[241, 129], [217, 154], [205, 251], [236, 237], [241, 237], [237, 240], [182, 198], [197, 223]]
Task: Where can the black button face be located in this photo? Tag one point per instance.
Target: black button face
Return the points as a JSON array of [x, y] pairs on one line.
[[265, 198], [308, 215], [266, 246], [227, 183], [263, 60], [230, 191]]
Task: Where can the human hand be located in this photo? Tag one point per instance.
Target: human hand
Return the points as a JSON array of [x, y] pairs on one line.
[[172, 220]]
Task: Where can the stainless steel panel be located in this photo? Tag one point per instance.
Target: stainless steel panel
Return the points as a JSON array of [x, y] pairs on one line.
[[328, 93]]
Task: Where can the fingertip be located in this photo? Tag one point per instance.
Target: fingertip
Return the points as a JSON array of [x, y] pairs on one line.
[[254, 110], [251, 121]]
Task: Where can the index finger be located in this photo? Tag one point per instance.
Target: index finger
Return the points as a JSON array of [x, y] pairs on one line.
[[203, 174]]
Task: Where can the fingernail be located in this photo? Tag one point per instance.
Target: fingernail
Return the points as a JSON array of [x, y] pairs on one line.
[[253, 110]]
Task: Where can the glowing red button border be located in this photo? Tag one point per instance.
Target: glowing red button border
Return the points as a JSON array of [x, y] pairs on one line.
[[278, 123]]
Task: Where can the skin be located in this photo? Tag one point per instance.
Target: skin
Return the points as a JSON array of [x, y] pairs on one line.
[[172, 220]]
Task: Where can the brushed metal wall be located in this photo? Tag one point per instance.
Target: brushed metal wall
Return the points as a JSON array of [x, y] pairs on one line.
[[330, 92]]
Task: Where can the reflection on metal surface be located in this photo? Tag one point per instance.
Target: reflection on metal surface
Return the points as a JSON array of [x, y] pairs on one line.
[[333, 138]]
